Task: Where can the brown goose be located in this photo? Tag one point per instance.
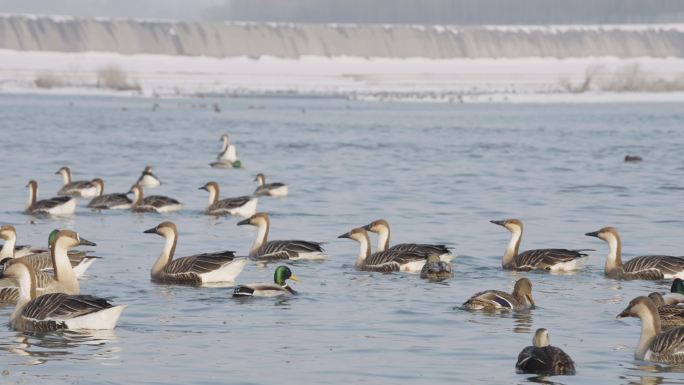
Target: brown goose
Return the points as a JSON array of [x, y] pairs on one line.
[[54, 206], [542, 358], [382, 228], [653, 267], [83, 188], [244, 206], [108, 201], [671, 316], [148, 179], [559, 260], [271, 189], [654, 345], [490, 300], [154, 203], [385, 261]]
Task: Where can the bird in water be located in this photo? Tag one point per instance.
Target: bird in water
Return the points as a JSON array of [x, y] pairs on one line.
[[542, 358]]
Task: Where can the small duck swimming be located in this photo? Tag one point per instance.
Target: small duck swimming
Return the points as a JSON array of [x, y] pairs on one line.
[[62, 205], [244, 206], [278, 288], [154, 203], [493, 300], [542, 358], [269, 189], [82, 189], [108, 201], [435, 269]]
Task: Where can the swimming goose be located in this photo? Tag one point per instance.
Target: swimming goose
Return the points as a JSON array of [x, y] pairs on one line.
[[520, 299], [264, 250], [653, 267], [384, 261], [244, 206], [435, 269], [148, 179], [194, 270], [279, 287], [82, 188], [664, 347], [559, 260], [155, 203], [56, 311], [228, 152], [270, 189], [108, 201], [53, 206], [382, 228], [671, 316], [542, 358]]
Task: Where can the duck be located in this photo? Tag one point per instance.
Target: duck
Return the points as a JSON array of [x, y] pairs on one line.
[[555, 260], [56, 311], [82, 188], [655, 345], [269, 189], [542, 358], [650, 267], [148, 179], [263, 250], [277, 288], [382, 228], [108, 201], [194, 270], [671, 316], [243, 206], [676, 294], [154, 203], [62, 205], [435, 269], [520, 299], [385, 261]]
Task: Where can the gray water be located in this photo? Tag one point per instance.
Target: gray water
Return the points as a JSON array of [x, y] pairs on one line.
[[438, 173]]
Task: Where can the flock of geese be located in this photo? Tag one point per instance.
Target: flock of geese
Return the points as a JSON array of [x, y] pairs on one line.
[[43, 282]]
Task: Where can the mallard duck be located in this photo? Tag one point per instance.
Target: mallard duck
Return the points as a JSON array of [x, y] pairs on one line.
[[108, 201], [542, 358], [382, 228], [244, 206], [56, 311], [194, 270], [154, 203], [671, 316], [676, 294], [82, 188], [558, 260], [279, 287], [385, 261], [654, 345], [435, 269], [148, 179], [520, 299], [653, 267], [63, 205], [270, 189]]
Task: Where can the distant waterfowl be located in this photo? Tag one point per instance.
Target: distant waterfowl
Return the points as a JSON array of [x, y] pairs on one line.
[[264, 250], [382, 228], [653, 267], [435, 269], [148, 179], [82, 188], [542, 358], [63, 205], [244, 206], [228, 152], [108, 201], [558, 260], [279, 287], [655, 345], [269, 189], [384, 261], [671, 316], [194, 270], [56, 311], [633, 158], [154, 203], [520, 299]]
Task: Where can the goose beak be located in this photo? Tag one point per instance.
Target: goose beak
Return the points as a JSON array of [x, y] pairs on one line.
[[151, 231], [345, 235], [57, 173], [203, 188], [592, 234], [244, 222], [623, 314], [85, 242], [500, 223], [294, 278], [367, 227], [529, 298]]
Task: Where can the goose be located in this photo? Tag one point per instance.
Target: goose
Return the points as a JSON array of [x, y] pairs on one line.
[[270, 189], [556, 260], [264, 250], [654, 345], [40, 258], [382, 228], [54, 206], [385, 261], [653, 267], [108, 201], [520, 299], [83, 188], [56, 311], [228, 152], [435, 269], [194, 270], [542, 358], [671, 316], [279, 287], [148, 179], [155, 203], [243, 206]]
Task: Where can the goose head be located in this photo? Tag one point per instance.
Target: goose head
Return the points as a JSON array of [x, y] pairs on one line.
[[512, 224], [258, 219], [210, 187], [99, 185], [166, 229], [137, 192], [261, 178], [68, 239], [8, 232], [523, 290], [377, 226], [607, 234], [32, 185], [638, 307], [358, 234], [282, 274], [541, 338]]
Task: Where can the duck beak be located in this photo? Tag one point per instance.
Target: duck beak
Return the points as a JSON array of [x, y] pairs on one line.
[[592, 234], [151, 231], [345, 235], [85, 242], [500, 223], [294, 278], [244, 222]]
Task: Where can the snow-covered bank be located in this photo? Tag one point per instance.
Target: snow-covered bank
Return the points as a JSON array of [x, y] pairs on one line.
[[454, 80]]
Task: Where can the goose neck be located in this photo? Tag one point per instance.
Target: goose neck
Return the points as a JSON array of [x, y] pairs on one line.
[[64, 273], [613, 264], [513, 247], [166, 254], [262, 236], [364, 249]]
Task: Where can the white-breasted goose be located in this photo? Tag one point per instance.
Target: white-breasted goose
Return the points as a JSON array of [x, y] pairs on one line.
[[108, 201], [382, 228], [153, 203], [81, 188], [492, 300], [269, 189], [384, 261], [62, 205], [243, 206]]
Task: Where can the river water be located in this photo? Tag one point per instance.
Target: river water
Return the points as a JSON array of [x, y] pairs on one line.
[[438, 173]]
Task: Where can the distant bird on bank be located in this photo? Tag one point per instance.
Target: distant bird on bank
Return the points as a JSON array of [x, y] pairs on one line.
[[244, 206], [652, 267], [81, 189], [270, 189], [277, 288], [542, 358], [62, 205], [493, 300], [154, 203], [148, 179], [108, 201], [556, 260], [382, 228]]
